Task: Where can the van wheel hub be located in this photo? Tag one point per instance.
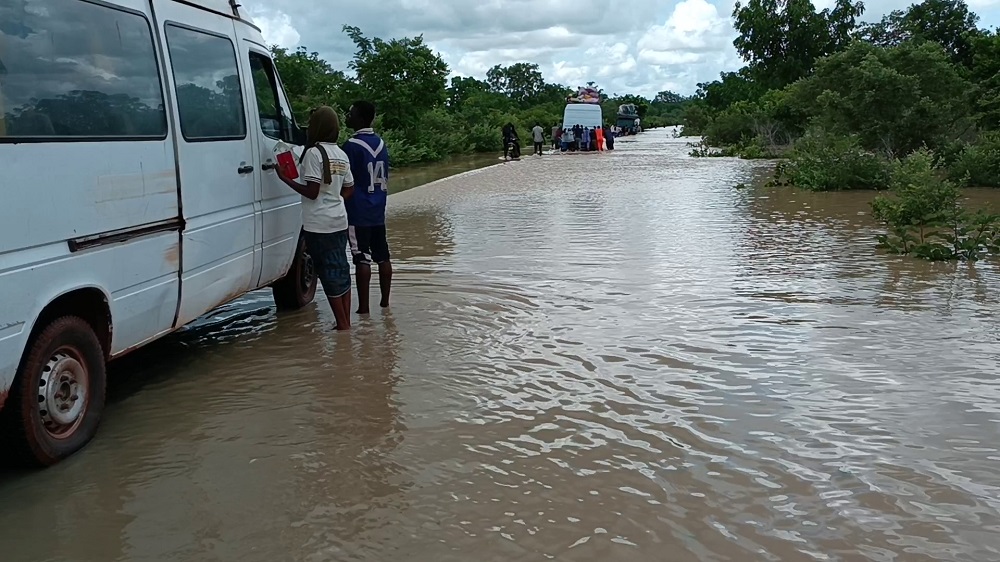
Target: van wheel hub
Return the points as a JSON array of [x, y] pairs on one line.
[[62, 393]]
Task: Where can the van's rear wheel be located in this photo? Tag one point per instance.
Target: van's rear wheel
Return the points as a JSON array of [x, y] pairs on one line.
[[298, 287], [56, 403]]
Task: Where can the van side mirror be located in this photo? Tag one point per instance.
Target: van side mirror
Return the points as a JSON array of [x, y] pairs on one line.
[[292, 132], [298, 136]]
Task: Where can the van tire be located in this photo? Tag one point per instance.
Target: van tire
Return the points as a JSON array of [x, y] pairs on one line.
[[298, 287], [68, 349]]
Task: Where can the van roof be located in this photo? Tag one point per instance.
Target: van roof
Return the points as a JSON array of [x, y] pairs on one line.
[[227, 8]]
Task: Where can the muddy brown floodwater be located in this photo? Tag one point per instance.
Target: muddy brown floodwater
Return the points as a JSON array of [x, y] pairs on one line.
[[594, 358]]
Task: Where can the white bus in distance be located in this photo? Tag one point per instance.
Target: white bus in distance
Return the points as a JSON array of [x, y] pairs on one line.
[[584, 114], [137, 146]]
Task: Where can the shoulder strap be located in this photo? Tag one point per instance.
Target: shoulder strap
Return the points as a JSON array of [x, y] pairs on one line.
[[327, 177]]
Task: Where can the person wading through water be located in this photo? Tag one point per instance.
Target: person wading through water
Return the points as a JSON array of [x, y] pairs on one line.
[[369, 158], [538, 137], [328, 181]]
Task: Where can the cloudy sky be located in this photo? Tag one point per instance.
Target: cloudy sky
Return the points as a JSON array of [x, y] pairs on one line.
[[635, 46]]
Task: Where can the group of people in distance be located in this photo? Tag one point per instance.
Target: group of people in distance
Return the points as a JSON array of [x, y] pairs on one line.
[[573, 139], [344, 191], [582, 139]]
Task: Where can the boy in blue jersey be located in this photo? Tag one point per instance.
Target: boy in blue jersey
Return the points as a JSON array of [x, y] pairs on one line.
[[366, 209]]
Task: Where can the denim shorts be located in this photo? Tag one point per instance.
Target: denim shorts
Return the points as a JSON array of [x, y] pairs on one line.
[[329, 254]]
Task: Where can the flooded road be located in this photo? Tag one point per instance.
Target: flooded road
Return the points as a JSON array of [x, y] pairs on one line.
[[589, 357]]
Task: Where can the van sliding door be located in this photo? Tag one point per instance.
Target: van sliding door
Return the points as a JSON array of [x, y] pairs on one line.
[[218, 180]]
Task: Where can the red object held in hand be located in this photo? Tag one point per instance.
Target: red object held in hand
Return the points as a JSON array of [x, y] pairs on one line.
[[287, 162]]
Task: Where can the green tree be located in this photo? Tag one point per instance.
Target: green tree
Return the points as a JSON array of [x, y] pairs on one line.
[[895, 100], [781, 40], [404, 77], [732, 87], [668, 97], [946, 22], [521, 82], [985, 72], [311, 82], [462, 88]]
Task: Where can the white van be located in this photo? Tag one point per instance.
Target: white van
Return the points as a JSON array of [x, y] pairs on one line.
[[585, 114], [137, 146]]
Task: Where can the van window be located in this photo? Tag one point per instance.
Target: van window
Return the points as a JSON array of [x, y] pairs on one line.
[[267, 96], [207, 82], [76, 70], [275, 118]]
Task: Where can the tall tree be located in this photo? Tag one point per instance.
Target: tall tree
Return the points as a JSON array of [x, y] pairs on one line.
[[310, 81], [782, 39], [946, 22], [404, 77], [732, 87], [985, 72], [522, 82], [894, 99], [462, 88], [668, 97]]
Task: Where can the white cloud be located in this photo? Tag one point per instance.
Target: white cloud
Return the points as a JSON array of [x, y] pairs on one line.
[[634, 46], [276, 26]]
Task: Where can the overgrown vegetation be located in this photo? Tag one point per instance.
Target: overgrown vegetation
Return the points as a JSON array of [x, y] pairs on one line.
[[909, 104], [423, 116], [924, 215]]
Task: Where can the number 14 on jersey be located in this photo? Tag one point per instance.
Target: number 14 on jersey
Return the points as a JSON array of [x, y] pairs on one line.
[[376, 175]]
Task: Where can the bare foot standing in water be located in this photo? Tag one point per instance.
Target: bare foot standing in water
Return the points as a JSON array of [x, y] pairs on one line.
[[366, 210]]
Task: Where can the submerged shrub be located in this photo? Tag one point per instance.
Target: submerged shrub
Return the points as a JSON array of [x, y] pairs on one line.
[[978, 165], [824, 162], [924, 217]]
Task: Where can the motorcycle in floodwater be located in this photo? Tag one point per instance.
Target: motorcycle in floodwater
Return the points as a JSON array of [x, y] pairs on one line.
[[513, 149]]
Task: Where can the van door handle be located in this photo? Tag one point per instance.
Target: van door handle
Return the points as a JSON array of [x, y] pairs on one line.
[[245, 169], [269, 165]]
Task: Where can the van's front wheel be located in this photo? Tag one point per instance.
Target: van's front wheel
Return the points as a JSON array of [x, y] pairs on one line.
[[56, 403], [298, 287]]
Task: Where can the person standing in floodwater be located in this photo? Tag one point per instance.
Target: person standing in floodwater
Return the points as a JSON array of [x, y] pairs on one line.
[[568, 139], [538, 136], [326, 171], [369, 159]]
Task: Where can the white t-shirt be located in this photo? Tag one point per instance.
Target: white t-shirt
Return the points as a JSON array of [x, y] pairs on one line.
[[539, 132], [326, 213]]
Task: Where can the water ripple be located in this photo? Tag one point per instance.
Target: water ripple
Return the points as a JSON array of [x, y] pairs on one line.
[[617, 357]]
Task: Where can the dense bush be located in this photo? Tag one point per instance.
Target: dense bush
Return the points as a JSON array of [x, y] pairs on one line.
[[826, 162], [733, 125], [895, 100], [978, 164]]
